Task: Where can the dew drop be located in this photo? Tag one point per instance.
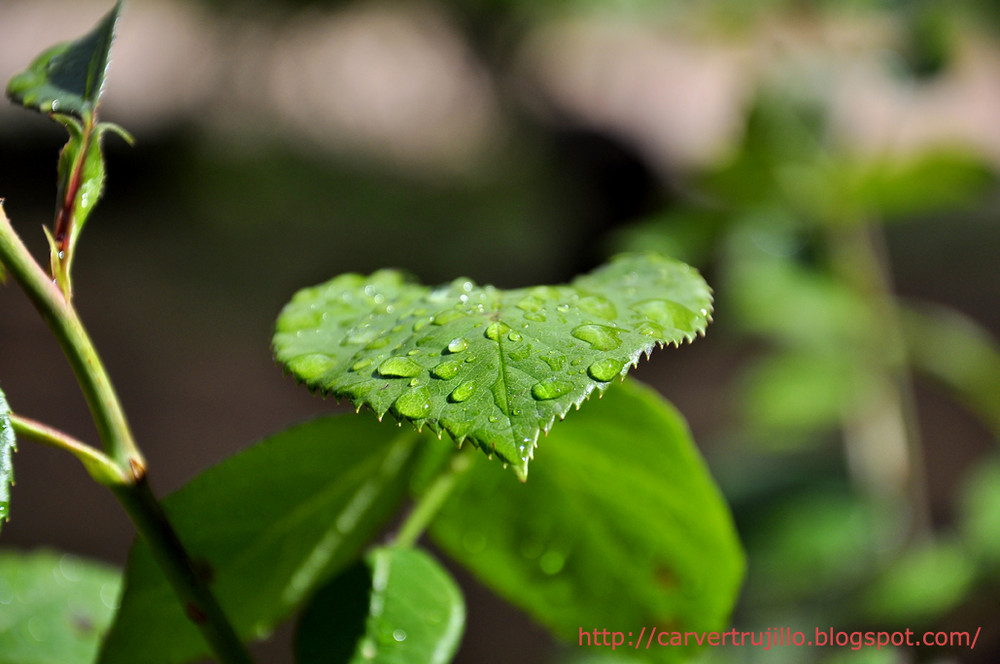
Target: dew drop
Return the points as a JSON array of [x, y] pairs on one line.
[[399, 635], [496, 330], [446, 317], [457, 345], [415, 382], [421, 324], [414, 403], [447, 370], [399, 367], [562, 308], [552, 562], [600, 337], [555, 362], [531, 304], [415, 351], [535, 316], [312, 365], [666, 312], [494, 418], [606, 369], [362, 364], [514, 336], [650, 329], [361, 335], [596, 305], [462, 392], [380, 342], [551, 388]]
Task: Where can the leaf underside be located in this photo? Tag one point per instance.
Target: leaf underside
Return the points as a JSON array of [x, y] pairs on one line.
[[7, 447], [491, 366], [67, 78]]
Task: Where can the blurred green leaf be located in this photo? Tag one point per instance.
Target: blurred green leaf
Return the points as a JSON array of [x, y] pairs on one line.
[[786, 394], [8, 445], [980, 524], [958, 353], [620, 527], [415, 613], [68, 78], [56, 607], [928, 580], [494, 367], [268, 524]]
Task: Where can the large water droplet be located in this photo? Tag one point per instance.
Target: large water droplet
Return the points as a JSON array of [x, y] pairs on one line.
[[555, 362], [311, 365], [551, 388], [421, 324], [600, 337], [447, 370], [667, 313], [531, 303], [361, 334], [446, 317], [606, 369], [650, 329], [514, 336], [457, 345], [362, 364], [399, 367], [496, 330], [381, 342], [595, 305], [538, 317], [463, 392], [414, 403], [399, 635]]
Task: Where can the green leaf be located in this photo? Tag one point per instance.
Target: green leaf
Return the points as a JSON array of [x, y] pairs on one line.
[[415, 613], [7, 447], [960, 354], [68, 78], [55, 607], [980, 523], [621, 527], [269, 525], [491, 366], [929, 580]]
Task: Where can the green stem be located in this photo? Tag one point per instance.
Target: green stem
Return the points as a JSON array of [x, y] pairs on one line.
[[133, 492], [100, 467], [429, 504], [65, 324], [200, 605], [889, 427]]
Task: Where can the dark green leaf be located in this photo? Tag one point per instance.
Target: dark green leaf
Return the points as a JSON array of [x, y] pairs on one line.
[[621, 527], [495, 367], [415, 613], [55, 607], [68, 78], [7, 447], [269, 525]]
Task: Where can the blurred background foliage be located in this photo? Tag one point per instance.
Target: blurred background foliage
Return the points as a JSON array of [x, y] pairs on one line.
[[830, 166]]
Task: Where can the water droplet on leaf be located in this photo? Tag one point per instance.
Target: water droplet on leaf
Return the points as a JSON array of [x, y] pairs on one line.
[[399, 367], [600, 337], [496, 330], [362, 364], [447, 370], [414, 403], [551, 388], [606, 369], [666, 312], [463, 391], [596, 305], [457, 345]]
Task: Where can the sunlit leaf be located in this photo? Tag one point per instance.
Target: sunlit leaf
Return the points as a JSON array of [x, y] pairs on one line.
[[409, 607], [491, 366], [55, 608], [268, 525], [621, 526]]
